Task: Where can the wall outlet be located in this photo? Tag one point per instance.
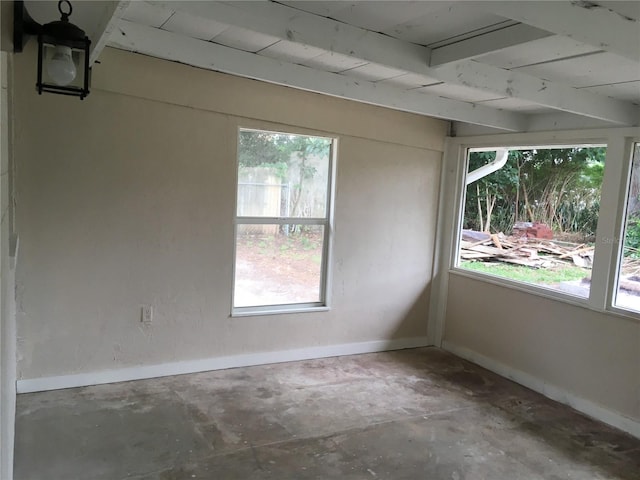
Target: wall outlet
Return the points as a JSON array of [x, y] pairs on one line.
[[146, 315]]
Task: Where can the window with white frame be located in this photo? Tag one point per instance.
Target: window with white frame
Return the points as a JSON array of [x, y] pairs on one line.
[[283, 221], [530, 214], [627, 292]]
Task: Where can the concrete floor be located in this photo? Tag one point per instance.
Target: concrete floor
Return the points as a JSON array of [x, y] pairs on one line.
[[411, 414]]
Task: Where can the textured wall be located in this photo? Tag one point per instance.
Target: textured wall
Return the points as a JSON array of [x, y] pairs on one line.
[[127, 198], [589, 354]]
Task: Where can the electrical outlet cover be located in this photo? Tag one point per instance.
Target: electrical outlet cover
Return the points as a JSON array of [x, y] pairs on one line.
[[147, 314]]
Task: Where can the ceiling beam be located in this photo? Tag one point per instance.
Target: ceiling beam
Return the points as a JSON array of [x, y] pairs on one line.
[[294, 25], [486, 43], [585, 22], [109, 15], [509, 83], [287, 23], [170, 46]]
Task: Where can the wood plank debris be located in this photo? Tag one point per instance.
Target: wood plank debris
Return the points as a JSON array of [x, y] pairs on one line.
[[520, 250], [543, 253]]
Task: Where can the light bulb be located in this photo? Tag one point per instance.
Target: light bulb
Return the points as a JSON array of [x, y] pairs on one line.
[[60, 66]]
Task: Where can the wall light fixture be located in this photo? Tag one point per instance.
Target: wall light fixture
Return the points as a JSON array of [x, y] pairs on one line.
[[63, 51]]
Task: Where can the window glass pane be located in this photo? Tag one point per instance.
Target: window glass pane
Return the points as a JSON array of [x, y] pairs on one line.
[[628, 293], [530, 215], [282, 175], [278, 264]]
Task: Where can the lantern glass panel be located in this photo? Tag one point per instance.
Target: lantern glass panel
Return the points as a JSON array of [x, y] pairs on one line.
[[77, 55]]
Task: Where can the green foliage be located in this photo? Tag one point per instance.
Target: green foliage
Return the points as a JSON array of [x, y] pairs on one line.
[[256, 148], [499, 187], [559, 187], [537, 276], [286, 155], [632, 228], [632, 236], [306, 243], [260, 149]]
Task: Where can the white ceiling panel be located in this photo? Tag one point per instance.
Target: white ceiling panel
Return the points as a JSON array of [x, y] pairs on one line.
[[410, 80], [628, 8], [442, 21], [587, 71], [458, 92], [147, 14], [554, 73], [538, 51], [243, 39], [629, 91], [333, 62], [515, 105], [325, 9], [195, 27], [380, 16], [373, 72], [291, 52]]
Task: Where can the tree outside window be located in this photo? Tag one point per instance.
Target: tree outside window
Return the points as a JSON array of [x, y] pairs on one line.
[[534, 219]]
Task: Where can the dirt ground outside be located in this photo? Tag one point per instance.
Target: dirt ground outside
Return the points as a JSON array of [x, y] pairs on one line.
[[278, 267]]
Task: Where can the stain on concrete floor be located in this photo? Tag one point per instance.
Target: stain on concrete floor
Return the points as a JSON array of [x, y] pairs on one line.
[[410, 414]]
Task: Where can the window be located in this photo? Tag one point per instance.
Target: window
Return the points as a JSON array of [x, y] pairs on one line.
[[627, 294], [530, 215], [283, 221]]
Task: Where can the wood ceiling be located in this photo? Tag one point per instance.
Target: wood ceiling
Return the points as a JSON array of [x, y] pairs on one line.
[[508, 65]]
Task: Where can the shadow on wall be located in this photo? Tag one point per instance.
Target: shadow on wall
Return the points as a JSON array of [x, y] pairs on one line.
[[415, 318]]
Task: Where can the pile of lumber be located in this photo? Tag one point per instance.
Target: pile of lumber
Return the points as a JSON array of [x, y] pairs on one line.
[[520, 250]]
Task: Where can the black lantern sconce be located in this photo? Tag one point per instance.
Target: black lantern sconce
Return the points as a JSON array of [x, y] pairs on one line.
[[63, 51]]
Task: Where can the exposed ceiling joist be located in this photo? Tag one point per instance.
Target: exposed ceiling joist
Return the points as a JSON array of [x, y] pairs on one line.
[[110, 14], [586, 22], [288, 23], [486, 43], [538, 122], [536, 90], [163, 44]]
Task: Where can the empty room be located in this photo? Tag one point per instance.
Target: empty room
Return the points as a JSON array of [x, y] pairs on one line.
[[320, 239]]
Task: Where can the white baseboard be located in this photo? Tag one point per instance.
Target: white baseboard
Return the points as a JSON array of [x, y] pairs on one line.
[[216, 363], [553, 392]]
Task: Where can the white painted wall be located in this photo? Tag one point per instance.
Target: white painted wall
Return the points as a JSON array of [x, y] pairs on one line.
[[590, 355], [580, 354], [127, 198]]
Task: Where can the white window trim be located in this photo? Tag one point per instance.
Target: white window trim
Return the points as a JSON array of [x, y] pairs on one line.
[[324, 304], [616, 242], [619, 143]]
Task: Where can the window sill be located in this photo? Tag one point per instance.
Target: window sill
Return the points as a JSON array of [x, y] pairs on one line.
[[276, 310]]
